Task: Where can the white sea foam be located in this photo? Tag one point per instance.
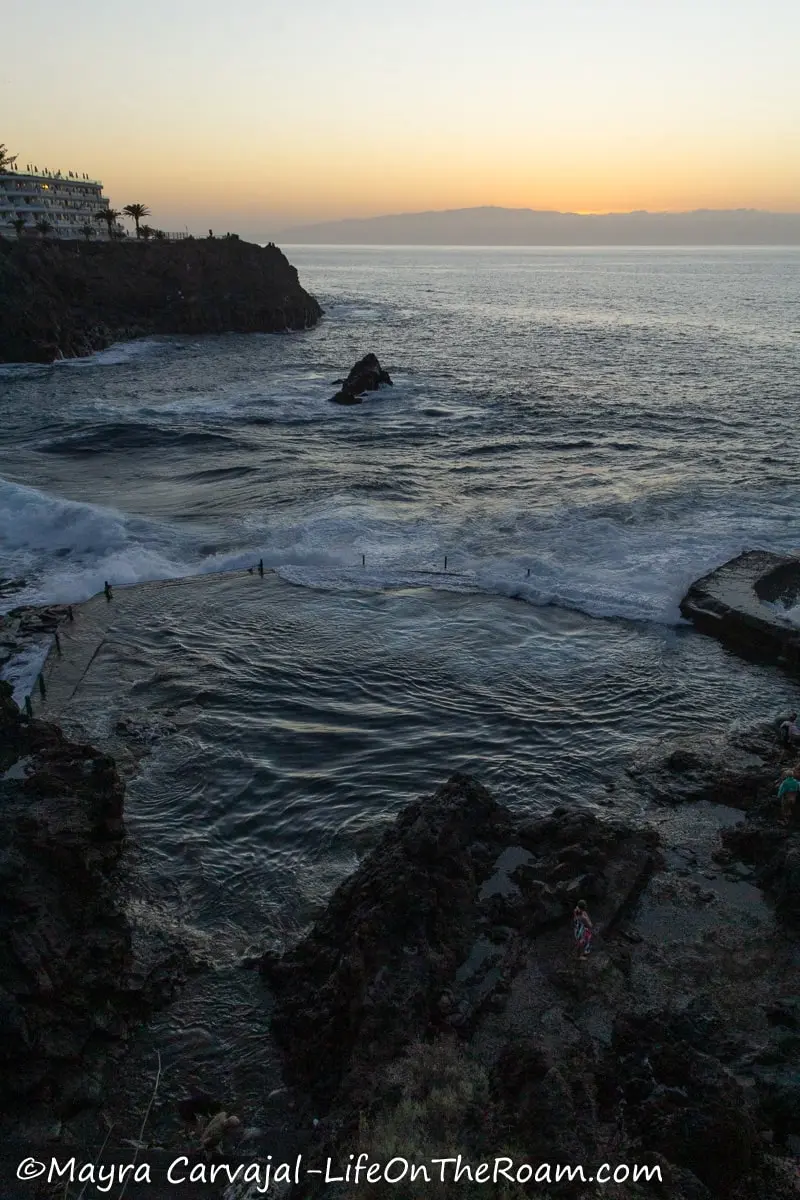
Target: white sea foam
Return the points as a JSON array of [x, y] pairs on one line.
[[33, 520], [790, 613], [116, 355], [285, 397], [69, 548], [634, 562], [24, 668], [120, 352], [14, 371], [294, 396]]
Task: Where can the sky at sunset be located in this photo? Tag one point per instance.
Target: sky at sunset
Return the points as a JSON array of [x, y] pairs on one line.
[[250, 115]]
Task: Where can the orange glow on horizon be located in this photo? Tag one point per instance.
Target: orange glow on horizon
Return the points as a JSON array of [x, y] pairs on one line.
[[243, 117], [293, 187]]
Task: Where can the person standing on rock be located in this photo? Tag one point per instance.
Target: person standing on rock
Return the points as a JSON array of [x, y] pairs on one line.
[[790, 731], [787, 794], [582, 928]]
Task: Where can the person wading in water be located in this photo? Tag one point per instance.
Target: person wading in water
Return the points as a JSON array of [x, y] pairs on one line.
[[582, 928]]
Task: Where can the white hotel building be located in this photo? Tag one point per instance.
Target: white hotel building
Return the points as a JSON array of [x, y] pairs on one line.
[[68, 202]]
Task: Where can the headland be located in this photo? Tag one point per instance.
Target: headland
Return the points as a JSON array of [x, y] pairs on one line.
[[67, 299]]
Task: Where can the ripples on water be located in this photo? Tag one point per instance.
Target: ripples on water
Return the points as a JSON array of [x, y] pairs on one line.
[[582, 431], [614, 421], [303, 720]]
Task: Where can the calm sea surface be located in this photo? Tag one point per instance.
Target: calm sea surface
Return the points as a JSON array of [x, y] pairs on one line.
[[580, 432]]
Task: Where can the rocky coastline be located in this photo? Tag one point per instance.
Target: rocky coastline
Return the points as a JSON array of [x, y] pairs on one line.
[[70, 299], [72, 985], [437, 1005]]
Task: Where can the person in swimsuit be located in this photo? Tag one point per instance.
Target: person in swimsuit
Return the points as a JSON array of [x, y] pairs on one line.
[[582, 928], [787, 794]]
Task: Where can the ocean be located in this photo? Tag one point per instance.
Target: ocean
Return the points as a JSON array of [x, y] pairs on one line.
[[579, 433]]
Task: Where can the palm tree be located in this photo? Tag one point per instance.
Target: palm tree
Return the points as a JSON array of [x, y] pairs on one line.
[[109, 215], [6, 160], [87, 231], [43, 226], [159, 235], [136, 212], [147, 232], [18, 225]]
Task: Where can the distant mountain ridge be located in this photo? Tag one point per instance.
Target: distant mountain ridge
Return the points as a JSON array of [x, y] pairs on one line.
[[490, 226]]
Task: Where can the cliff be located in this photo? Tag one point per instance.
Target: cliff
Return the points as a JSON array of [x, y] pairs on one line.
[[65, 943], [69, 299], [72, 982]]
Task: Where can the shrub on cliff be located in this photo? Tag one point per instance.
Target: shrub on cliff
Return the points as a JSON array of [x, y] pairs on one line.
[[436, 1097]]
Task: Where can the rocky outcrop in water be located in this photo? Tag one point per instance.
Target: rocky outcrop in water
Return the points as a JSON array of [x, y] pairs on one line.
[[366, 376], [732, 604], [68, 299], [734, 769], [438, 1006]]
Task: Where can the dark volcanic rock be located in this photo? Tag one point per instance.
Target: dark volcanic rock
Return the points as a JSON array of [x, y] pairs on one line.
[[731, 602], [366, 376], [439, 1003], [735, 769], [66, 990], [199, 1104], [537, 1097], [680, 1100], [68, 299], [370, 973], [774, 849], [64, 943], [382, 965], [740, 769]]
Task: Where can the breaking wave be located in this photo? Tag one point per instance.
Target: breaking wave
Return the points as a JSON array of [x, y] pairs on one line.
[[631, 562]]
